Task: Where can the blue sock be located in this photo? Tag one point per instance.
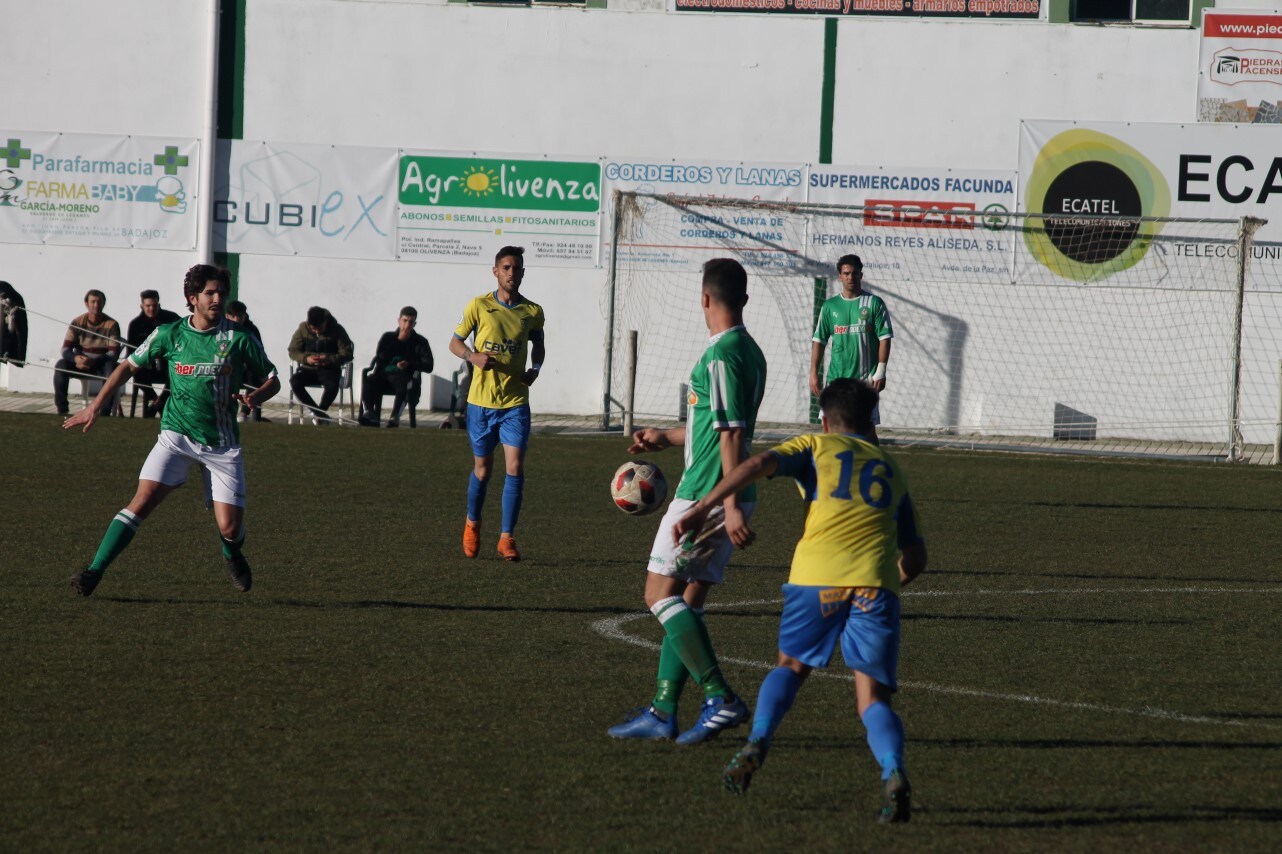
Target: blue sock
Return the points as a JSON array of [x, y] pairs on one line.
[[774, 699], [513, 492], [476, 496], [885, 737]]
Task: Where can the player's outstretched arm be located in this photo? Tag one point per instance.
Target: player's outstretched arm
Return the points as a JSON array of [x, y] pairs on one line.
[[89, 415], [912, 562], [749, 471]]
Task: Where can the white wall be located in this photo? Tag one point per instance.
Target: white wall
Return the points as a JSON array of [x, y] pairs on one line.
[[554, 81]]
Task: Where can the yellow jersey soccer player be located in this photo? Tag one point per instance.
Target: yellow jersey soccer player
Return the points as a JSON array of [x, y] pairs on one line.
[[862, 542], [503, 326]]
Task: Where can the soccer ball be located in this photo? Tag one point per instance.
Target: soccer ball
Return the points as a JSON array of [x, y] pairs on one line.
[[638, 487]]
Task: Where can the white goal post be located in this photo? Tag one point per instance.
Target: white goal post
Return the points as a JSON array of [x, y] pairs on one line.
[[1076, 332]]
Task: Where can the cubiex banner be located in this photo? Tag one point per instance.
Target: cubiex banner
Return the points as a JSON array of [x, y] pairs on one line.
[[98, 190], [464, 208], [320, 201]]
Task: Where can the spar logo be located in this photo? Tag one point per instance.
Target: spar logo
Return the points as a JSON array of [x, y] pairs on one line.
[[902, 213], [1092, 190], [1231, 66], [205, 369]]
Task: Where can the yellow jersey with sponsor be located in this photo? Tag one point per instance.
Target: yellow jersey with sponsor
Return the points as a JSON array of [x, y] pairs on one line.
[[859, 516], [504, 332]]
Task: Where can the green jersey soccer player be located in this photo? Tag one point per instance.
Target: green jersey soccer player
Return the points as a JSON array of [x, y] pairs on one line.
[[858, 325], [208, 358], [726, 387]]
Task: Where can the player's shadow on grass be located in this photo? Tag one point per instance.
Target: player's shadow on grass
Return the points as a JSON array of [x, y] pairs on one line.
[[391, 604], [1002, 618], [1094, 743], [1060, 817], [1093, 576]]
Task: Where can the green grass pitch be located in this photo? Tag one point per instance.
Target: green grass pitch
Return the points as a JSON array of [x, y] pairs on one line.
[[1092, 663]]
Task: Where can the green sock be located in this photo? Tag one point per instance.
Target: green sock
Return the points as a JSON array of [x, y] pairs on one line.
[[690, 641], [231, 548], [119, 533], [671, 679]]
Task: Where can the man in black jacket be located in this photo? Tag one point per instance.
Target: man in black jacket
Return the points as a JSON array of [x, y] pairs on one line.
[[13, 326], [140, 327], [401, 354]]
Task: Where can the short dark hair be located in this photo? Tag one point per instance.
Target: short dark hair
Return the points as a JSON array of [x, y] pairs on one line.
[[199, 276], [725, 280], [94, 292], [150, 294], [316, 316], [849, 403], [517, 252], [409, 311], [852, 260], [237, 307]]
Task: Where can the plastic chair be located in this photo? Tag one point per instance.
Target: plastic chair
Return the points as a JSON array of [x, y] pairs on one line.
[[412, 395], [346, 397]]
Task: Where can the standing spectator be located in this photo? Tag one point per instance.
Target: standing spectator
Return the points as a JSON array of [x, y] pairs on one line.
[[237, 312], [321, 346], [400, 354], [140, 327], [91, 346], [13, 326], [859, 326]]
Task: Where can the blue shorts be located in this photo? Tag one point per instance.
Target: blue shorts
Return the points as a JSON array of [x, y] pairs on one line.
[[866, 619], [487, 427]]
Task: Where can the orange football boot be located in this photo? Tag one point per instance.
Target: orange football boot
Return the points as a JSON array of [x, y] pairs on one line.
[[507, 548], [471, 538]]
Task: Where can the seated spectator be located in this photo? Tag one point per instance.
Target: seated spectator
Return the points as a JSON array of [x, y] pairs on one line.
[[400, 353], [140, 327], [321, 347], [13, 326], [236, 312], [92, 346]]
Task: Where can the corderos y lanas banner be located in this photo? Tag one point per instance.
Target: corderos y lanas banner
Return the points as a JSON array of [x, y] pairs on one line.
[[98, 190], [1240, 69], [673, 240], [320, 201], [464, 208], [938, 215], [1097, 169]]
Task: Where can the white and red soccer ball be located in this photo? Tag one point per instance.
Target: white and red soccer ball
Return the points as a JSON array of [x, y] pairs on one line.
[[638, 487]]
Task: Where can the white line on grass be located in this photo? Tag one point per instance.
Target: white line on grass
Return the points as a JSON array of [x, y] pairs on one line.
[[612, 628]]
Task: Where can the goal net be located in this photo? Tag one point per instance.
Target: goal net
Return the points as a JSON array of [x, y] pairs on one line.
[[1077, 331]]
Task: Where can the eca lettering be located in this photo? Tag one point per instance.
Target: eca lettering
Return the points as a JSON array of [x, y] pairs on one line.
[[1236, 179]]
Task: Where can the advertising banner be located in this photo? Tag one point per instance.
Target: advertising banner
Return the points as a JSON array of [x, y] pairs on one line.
[[1203, 171], [1240, 68], [967, 206], [672, 239], [323, 201], [98, 190], [996, 10], [464, 208]]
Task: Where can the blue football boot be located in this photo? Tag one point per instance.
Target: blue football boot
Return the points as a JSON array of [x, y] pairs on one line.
[[645, 722], [718, 714]]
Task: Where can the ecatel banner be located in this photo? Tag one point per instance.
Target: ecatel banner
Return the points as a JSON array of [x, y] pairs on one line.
[[75, 189]]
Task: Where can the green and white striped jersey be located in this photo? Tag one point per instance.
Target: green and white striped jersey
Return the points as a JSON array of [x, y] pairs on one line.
[[205, 370], [856, 327], [726, 387]]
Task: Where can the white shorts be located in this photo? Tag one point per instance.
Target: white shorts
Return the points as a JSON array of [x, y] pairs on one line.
[[707, 561], [222, 469]]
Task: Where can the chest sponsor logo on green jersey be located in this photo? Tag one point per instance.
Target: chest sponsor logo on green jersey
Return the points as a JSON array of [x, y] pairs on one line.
[[208, 369]]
